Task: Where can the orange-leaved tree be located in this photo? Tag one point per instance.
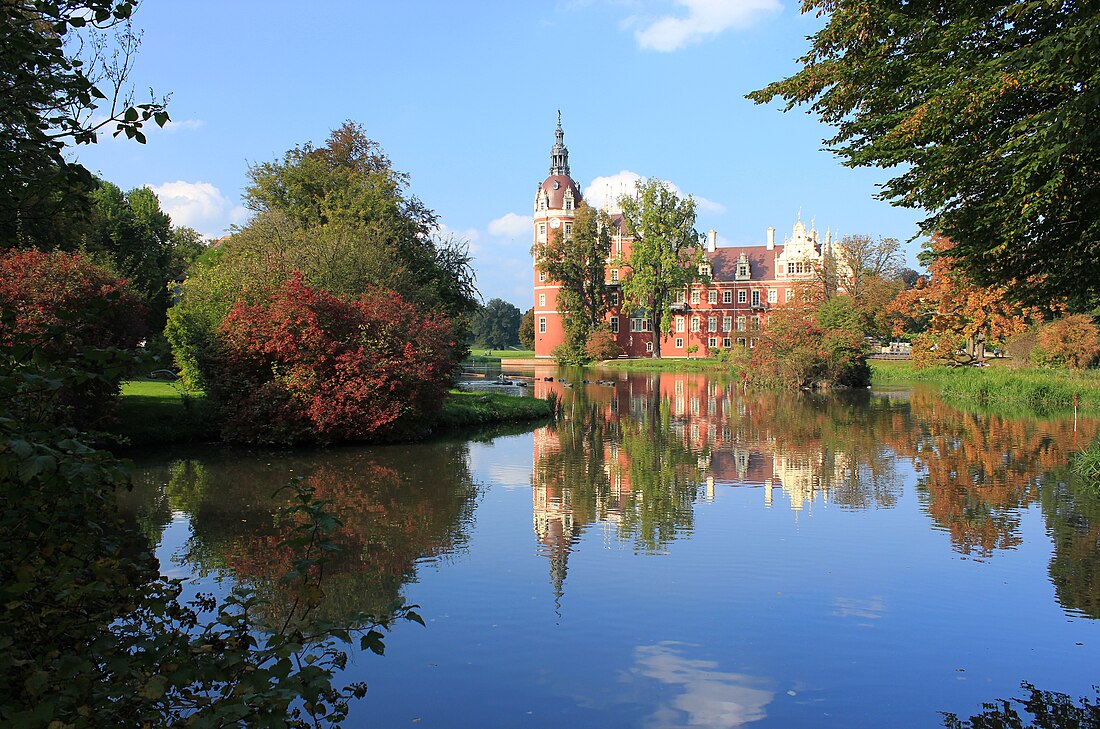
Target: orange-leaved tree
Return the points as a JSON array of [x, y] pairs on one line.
[[959, 318]]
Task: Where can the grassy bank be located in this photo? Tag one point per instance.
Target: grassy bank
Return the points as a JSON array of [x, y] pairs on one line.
[[650, 364], [158, 413], [473, 409], [1037, 389], [154, 412]]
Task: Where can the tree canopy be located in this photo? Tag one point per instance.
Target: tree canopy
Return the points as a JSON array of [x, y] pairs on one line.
[[63, 78], [665, 255], [986, 113], [496, 325]]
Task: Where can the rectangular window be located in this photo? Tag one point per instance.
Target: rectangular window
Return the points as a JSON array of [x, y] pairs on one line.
[[712, 324], [790, 267], [712, 342], [542, 325], [695, 297], [614, 325], [568, 229], [542, 275], [679, 343], [614, 298], [742, 296], [542, 230], [614, 275], [679, 297], [755, 323], [726, 342], [740, 323], [694, 323], [740, 341], [798, 268], [712, 297], [773, 296], [756, 297], [679, 323], [790, 294], [752, 343], [649, 346], [727, 324], [727, 297]]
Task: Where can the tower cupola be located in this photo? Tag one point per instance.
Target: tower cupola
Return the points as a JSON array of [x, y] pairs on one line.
[[559, 154]]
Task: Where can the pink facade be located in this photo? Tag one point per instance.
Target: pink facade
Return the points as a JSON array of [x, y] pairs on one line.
[[746, 282]]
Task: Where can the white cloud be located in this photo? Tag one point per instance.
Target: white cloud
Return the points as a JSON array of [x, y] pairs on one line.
[[183, 125], [470, 235], [704, 19], [605, 192], [511, 225], [199, 205]]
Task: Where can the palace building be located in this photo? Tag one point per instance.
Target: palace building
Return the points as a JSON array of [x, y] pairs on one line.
[[746, 282]]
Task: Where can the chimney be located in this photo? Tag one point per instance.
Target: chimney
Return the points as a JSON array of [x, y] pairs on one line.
[[771, 239], [712, 241]]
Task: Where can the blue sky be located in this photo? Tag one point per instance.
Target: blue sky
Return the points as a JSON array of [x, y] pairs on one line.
[[464, 97]]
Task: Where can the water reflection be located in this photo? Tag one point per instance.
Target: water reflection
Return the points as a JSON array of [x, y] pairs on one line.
[[706, 696], [637, 453], [398, 506]]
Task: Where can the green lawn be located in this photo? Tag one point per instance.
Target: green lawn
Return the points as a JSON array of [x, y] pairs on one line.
[[152, 412], [490, 354], [156, 412]]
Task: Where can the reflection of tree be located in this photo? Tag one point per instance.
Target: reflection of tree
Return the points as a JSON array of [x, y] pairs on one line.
[[1045, 709], [1072, 513], [979, 470], [396, 506]]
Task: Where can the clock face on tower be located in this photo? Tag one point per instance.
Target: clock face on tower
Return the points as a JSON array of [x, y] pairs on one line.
[[556, 184], [555, 223]]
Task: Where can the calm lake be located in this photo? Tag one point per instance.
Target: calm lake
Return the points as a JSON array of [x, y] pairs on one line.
[[677, 553]]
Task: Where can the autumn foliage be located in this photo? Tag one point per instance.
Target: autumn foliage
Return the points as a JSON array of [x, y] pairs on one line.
[[1073, 341], [959, 317], [304, 365], [795, 350], [67, 311]]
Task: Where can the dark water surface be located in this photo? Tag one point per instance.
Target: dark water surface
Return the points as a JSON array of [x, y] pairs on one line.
[[676, 553]]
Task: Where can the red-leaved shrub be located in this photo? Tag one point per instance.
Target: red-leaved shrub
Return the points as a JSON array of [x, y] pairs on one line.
[[68, 318], [305, 365], [1073, 341]]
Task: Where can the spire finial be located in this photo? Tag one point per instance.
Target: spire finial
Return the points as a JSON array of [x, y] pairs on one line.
[[559, 155]]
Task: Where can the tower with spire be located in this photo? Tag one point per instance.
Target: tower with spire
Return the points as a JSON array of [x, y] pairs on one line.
[[556, 201]]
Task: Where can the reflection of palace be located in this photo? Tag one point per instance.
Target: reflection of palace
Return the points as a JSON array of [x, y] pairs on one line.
[[636, 455]]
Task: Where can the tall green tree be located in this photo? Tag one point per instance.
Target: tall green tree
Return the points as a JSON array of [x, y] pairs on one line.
[[527, 329], [986, 112], [63, 79], [496, 325], [342, 215], [577, 262], [666, 254]]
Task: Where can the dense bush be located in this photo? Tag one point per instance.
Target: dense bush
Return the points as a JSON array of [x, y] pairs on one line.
[[61, 308], [602, 345], [1073, 341], [796, 351], [304, 365]]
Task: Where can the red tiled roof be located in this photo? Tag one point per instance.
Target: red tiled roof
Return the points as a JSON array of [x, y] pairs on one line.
[[761, 262]]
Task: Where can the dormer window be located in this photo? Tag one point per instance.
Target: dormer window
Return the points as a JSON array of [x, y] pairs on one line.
[[742, 268], [705, 270]]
